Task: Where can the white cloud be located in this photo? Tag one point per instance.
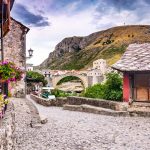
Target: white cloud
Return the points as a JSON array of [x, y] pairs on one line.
[[44, 40], [70, 22]]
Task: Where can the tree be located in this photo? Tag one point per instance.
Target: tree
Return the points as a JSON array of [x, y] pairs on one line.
[[32, 76], [113, 87], [95, 91], [110, 90]]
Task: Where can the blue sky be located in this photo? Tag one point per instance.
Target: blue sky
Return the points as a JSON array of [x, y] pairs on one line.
[[52, 20]]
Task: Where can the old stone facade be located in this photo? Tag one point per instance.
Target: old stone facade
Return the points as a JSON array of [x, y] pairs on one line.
[[94, 76], [15, 49], [100, 64], [97, 73], [29, 67]]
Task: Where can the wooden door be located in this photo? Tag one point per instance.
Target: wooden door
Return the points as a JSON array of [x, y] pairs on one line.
[[142, 87], [142, 94]]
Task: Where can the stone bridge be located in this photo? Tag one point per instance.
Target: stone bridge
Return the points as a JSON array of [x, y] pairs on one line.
[[83, 77], [87, 77]]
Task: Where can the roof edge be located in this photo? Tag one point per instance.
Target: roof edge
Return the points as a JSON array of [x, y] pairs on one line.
[[21, 24]]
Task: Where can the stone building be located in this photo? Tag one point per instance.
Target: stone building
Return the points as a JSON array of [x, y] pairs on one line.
[[29, 67], [15, 49], [97, 73], [101, 65], [94, 76]]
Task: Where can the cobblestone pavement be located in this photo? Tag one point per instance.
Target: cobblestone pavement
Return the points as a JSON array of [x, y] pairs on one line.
[[68, 130]]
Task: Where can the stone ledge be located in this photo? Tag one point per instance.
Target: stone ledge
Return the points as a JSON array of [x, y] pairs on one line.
[[54, 102], [118, 106], [34, 113], [140, 112], [95, 110], [132, 112]]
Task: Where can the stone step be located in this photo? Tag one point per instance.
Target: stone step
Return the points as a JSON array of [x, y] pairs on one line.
[[139, 111], [95, 110], [140, 104]]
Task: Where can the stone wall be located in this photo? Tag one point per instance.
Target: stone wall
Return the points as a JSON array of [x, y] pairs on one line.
[[96, 102], [54, 102], [119, 106], [15, 49], [7, 128]]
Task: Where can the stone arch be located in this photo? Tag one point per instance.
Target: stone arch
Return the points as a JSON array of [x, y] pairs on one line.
[[83, 78]]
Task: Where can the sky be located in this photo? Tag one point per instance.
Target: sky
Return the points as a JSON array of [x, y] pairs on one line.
[[50, 21]]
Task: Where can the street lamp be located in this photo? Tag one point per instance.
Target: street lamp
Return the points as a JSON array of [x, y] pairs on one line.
[[30, 51]]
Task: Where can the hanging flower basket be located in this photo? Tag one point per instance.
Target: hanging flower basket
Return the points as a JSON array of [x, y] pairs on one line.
[[9, 72], [6, 70]]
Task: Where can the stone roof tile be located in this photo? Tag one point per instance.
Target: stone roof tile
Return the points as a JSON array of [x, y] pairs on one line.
[[136, 58]]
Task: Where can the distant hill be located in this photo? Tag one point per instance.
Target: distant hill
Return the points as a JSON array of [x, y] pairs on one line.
[[80, 52]]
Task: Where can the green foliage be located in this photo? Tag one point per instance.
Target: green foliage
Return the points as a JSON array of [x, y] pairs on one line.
[[9, 71], [110, 90], [3, 101], [80, 59], [6, 71], [113, 87], [59, 93], [67, 79], [95, 91], [110, 52], [18, 74], [9, 94], [32, 76]]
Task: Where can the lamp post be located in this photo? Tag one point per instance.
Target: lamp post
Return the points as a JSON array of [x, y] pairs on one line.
[[30, 51]]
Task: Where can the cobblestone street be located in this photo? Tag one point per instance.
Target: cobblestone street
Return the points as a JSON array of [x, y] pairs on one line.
[[67, 130]]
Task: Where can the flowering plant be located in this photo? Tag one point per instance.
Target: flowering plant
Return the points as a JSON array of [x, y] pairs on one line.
[[1, 101], [9, 72], [6, 71], [18, 74]]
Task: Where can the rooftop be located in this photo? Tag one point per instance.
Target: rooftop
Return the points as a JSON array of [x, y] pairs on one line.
[[136, 58]]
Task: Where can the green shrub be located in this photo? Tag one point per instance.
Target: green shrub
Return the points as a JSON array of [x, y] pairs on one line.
[[60, 93], [67, 79], [32, 76], [113, 87], [110, 90], [95, 91]]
